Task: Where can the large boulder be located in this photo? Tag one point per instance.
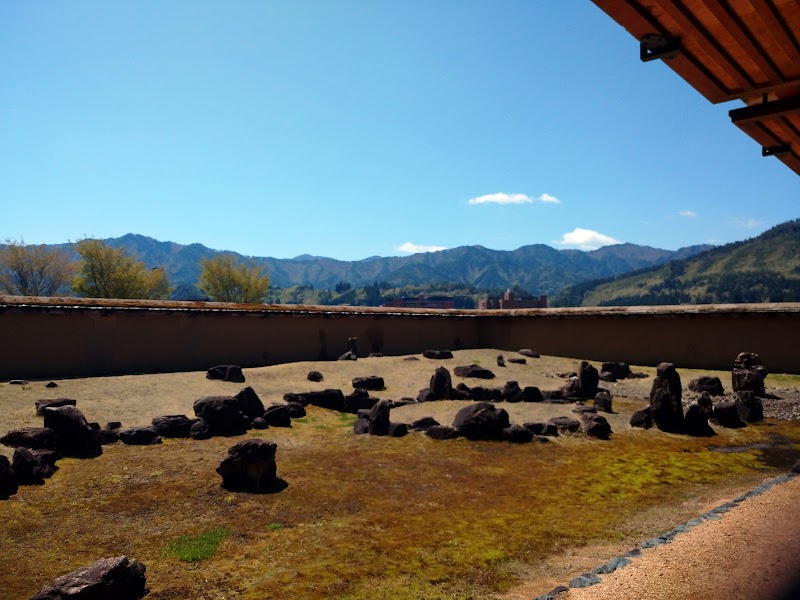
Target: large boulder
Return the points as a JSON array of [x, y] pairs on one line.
[[532, 394], [74, 436], [666, 408], [603, 402], [517, 434], [139, 436], [482, 393], [379, 419], [223, 415], [331, 399], [588, 379], [370, 382], [8, 479], [296, 410], [119, 578], [481, 421], [697, 415], [707, 383], [512, 392], [42, 404], [473, 370], [611, 371], [441, 384], [437, 354], [200, 430], [172, 426], [249, 467], [595, 425], [398, 430], [748, 374], [35, 438], [249, 403], [754, 405], [277, 415], [642, 418], [231, 373], [731, 413], [32, 467]]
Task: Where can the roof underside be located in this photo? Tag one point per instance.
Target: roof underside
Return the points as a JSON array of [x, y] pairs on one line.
[[746, 50]]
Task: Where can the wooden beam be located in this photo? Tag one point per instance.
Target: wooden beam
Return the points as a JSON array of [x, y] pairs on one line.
[[767, 110], [777, 29], [745, 40]]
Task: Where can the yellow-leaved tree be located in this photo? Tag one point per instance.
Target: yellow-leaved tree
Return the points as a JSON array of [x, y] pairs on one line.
[[106, 272], [225, 278], [31, 270]]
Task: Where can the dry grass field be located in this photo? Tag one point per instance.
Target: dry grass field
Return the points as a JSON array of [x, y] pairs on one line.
[[362, 517]]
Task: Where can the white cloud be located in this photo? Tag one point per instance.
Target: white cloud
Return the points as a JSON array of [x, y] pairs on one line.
[[747, 223], [503, 198], [586, 239], [411, 248], [687, 213]]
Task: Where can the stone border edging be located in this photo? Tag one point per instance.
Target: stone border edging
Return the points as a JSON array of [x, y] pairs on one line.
[[618, 562]]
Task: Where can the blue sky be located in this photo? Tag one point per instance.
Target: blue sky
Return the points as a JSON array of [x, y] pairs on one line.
[[359, 128]]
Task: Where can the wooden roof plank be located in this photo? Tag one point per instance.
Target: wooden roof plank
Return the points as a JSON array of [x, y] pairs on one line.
[[776, 26], [744, 39]]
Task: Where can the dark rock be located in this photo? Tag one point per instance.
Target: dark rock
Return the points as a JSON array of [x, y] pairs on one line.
[[352, 350], [707, 383], [113, 425], [74, 437], [437, 354], [296, 410], [249, 467], [314, 376], [231, 373], [139, 436], [642, 418], [294, 397], [423, 424], [249, 403], [754, 405], [402, 402], [259, 423], [518, 361], [442, 432], [731, 413], [603, 403], [361, 426], [8, 479], [528, 352], [32, 467], [441, 384], [473, 371], [606, 376], [411, 358], [371, 382], [501, 362], [358, 400], [585, 580], [697, 415], [618, 370], [19, 382], [551, 595], [532, 394], [666, 408], [796, 468], [379, 419], [512, 392], [426, 395], [565, 424], [35, 438], [546, 429], [200, 430], [748, 374], [277, 415], [42, 404], [375, 355], [481, 393], [108, 436], [517, 434], [331, 399], [223, 415], [52, 384], [398, 429], [463, 387], [572, 390], [118, 578], [94, 425], [172, 426], [481, 421], [581, 409], [459, 395], [588, 379], [597, 426]]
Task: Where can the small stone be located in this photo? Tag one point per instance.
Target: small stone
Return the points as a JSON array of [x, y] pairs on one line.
[[585, 580]]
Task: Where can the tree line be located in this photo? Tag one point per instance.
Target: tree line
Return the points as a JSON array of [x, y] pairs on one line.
[[105, 272]]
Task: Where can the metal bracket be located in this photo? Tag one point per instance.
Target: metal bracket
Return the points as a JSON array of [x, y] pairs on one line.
[[776, 150], [653, 46]]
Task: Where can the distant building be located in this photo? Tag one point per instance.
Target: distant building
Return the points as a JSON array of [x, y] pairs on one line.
[[421, 302], [509, 300]]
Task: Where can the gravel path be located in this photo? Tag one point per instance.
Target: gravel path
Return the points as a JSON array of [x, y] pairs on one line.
[[753, 551]]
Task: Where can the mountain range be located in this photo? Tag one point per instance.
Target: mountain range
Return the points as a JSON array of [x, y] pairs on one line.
[[536, 268]]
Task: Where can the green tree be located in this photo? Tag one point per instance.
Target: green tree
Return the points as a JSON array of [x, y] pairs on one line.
[[106, 272], [225, 278], [30, 270]]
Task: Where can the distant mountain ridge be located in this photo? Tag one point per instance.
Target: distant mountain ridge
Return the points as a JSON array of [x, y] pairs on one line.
[[537, 268], [765, 268]]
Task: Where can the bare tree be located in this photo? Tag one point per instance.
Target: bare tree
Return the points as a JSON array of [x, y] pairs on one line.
[[31, 270]]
